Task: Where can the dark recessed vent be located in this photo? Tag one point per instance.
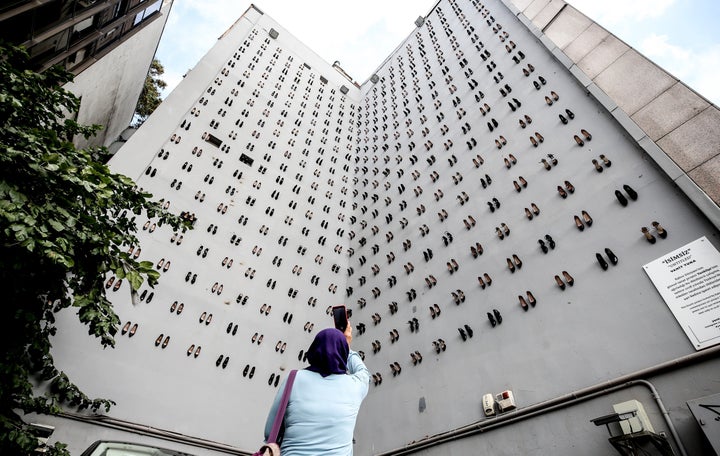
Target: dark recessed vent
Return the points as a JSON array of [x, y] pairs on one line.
[[273, 33], [307, 66], [247, 160], [344, 90], [214, 140], [323, 79], [374, 78], [419, 21]]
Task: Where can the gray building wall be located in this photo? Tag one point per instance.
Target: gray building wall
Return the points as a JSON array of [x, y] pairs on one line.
[[233, 88], [339, 199], [110, 87], [680, 122]]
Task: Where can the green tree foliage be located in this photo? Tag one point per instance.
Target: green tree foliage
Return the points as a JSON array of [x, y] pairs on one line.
[[65, 222], [150, 95]]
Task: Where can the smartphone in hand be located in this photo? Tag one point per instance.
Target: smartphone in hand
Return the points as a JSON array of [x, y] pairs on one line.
[[340, 317]]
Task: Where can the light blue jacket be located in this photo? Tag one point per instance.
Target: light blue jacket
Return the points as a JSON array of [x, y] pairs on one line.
[[320, 416]]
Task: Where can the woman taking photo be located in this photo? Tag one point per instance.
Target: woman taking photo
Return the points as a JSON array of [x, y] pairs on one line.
[[325, 398]]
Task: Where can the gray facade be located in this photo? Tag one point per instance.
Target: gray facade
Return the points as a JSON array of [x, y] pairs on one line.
[[111, 86], [310, 191]]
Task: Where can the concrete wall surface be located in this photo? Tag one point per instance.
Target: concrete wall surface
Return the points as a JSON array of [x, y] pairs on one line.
[[679, 120], [476, 133]]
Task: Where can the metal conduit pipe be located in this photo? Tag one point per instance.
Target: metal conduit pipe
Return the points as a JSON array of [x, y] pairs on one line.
[[666, 415], [517, 418], [634, 378], [465, 431]]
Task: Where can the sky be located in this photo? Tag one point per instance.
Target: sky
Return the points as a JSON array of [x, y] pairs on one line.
[[678, 35]]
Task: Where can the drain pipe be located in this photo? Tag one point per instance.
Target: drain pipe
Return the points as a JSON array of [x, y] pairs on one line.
[[568, 403], [666, 414], [600, 389]]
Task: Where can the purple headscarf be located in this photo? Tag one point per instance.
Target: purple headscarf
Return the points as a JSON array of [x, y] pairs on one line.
[[328, 353]]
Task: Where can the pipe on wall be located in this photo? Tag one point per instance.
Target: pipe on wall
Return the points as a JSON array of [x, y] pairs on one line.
[[566, 400]]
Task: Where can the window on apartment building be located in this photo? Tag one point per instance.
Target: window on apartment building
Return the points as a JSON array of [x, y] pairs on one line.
[[147, 12], [247, 160], [214, 140]]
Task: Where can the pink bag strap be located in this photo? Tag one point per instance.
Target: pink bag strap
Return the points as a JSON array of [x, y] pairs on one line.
[[272, 438]]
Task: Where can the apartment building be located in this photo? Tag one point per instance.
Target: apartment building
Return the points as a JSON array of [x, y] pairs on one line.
[[107, 44], [490, 206]]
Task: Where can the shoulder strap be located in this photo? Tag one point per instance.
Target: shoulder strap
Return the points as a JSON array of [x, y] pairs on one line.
[[272, 438]]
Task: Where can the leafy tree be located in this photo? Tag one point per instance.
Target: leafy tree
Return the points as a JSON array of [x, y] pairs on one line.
[[65, 222], [150, 95]]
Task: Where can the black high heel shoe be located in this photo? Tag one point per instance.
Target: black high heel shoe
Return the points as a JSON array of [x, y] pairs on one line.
[[523, 303], [551, 241], [621, 198], [579, 223], [462, 334], [469, 330], [492, 319], [601, 260], [631, 193], [543, 247], [613, 259], [662, 232], [498, 317], [650, 238], [531, 298]]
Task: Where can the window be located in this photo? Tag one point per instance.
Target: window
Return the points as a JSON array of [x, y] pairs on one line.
[[214, 140], [247, 160]]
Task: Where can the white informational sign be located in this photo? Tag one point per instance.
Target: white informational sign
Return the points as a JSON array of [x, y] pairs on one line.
[[688, 279]]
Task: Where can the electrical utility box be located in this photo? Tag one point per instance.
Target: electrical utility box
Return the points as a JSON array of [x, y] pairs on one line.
[[640, 422]]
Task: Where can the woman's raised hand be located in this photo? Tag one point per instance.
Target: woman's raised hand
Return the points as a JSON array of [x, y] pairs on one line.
[[348, 333]]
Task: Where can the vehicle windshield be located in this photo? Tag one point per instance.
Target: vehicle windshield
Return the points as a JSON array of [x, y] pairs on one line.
[[128, 449]]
